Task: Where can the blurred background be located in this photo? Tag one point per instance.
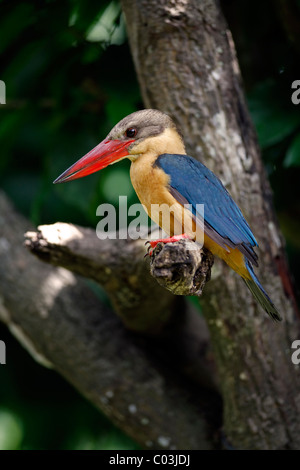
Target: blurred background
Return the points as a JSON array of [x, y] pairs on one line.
[[69, 78]]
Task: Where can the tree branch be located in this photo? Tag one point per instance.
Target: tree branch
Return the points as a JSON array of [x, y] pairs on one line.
[[136, 381], [181, 267], [117, 265], [113, 263]]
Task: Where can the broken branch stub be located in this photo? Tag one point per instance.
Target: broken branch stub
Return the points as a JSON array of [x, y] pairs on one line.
[[182, 267]]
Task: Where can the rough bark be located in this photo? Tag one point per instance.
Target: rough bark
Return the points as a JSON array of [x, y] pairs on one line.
[[181, 268], [186, 64], [127, 284], [152, 387]]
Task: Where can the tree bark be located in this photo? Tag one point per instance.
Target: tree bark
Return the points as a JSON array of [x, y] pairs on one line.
[[186, 64], [154, 384], [150, 385]]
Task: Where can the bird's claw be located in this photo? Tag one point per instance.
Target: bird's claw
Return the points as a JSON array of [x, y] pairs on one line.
[[152, 244], [149, 251]]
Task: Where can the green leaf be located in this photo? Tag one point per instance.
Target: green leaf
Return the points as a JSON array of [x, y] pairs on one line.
[[11, 430], [292, 157], [106, 28], [13, 23], [274, 127], [116, 183], [274, 116]]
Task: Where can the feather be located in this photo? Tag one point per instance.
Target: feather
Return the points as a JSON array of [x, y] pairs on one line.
[[193, 183]]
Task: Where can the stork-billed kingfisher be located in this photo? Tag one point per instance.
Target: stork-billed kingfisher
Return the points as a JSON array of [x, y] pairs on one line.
[[162, 173]]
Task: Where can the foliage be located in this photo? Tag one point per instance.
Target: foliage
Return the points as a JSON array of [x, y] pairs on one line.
[[63, 63], [70, 78], [64, 93], [268, 50]]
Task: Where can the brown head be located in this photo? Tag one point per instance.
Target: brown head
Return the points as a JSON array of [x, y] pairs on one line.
[[147, 131]]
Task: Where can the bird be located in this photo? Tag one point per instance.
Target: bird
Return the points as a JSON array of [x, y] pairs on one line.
[[162, 173]]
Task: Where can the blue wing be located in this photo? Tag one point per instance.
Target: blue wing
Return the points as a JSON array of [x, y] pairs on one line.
[[193, 183]]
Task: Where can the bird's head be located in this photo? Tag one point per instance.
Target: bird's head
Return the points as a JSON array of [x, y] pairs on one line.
[[147, 131]]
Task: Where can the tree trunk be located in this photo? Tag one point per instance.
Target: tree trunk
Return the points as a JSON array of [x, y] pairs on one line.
[[186, 64]]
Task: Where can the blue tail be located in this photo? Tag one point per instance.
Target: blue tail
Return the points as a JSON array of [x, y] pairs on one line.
[[260, 294]]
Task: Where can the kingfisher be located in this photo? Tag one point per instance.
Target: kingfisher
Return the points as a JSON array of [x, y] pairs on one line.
[[162, 173]]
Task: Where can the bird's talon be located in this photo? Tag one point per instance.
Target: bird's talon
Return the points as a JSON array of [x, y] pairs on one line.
[[149, 252], [152, 243]]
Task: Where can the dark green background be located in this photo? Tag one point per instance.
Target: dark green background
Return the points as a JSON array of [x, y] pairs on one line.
[[69, 79]]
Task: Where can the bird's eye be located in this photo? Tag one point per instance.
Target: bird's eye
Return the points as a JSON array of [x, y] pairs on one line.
[[131, 132]]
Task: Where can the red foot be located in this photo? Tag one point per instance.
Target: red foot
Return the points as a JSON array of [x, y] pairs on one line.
[[153, 243]]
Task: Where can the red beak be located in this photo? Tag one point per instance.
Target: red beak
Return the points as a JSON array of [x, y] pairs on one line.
[[107, 152]]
